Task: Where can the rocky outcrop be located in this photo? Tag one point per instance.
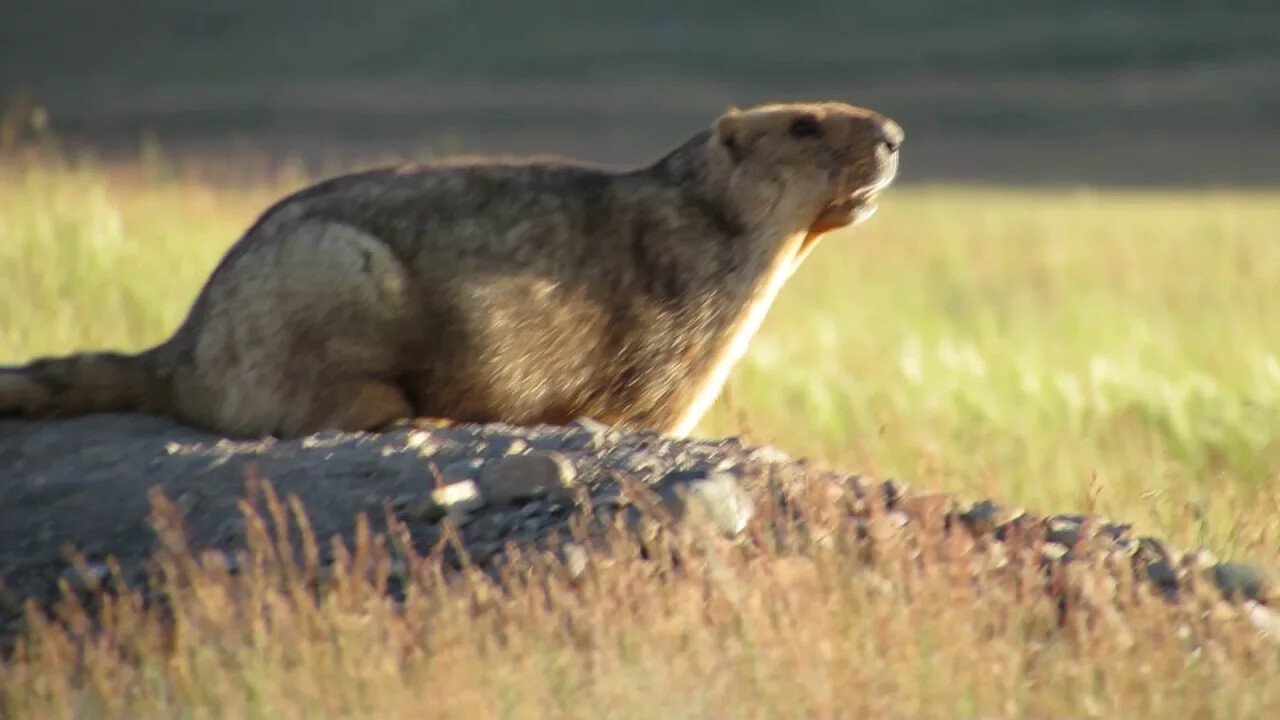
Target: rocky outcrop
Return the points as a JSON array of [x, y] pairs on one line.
[[473, 494]]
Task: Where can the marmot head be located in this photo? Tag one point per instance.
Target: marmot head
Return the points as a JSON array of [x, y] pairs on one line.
[[816, 165]]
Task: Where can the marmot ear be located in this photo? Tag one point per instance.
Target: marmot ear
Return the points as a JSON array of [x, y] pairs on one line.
[[728, 130]]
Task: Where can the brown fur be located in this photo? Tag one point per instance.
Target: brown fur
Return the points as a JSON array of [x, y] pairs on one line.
[[525, 292]]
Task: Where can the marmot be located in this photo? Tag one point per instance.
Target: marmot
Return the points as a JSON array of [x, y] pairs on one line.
[[495, 290]]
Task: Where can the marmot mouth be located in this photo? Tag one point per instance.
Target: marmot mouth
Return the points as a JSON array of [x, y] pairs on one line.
[[861, 201], [851, 209]]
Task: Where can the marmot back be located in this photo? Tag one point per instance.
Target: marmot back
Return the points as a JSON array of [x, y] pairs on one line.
[[529, 291]]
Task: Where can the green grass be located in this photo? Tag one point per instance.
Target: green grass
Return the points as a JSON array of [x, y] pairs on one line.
[[186, 43], [1028, 344], [1062, 350], [1024, 345], [747, 632]]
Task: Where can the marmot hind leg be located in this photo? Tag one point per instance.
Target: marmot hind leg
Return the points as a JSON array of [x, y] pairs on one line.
[[302, 329], [353, 406]]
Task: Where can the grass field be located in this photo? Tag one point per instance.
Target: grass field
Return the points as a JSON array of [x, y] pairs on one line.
[[1064, 350]]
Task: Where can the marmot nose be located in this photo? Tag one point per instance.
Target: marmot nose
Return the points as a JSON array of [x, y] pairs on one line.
[[889, 133]]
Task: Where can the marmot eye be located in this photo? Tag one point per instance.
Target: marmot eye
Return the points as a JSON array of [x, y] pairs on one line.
[[806, 126]]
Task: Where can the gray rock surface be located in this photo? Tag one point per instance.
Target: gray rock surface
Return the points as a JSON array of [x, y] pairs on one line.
[[525, 477], [473, 492], [715, 499]]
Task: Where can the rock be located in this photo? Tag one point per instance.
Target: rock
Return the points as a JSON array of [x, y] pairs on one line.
[[1152, 557], [1063, 529], [457, 497], [505, 484], [729, 464], [420, 441], [768, 455], [488, 527], [893, 490], [506, 446], [931, 507], [523, 477], [592, 426], [981, 517], [231, 530], [188, 501], [643, 463], [715, 498], [1053, 551], [477, 553], [610, 497], [597, 434], [897, 519], [574, 557], [89, 577], [1021, 527], [1115, 531], [1266, 620], [462, 470], [1237, 580]]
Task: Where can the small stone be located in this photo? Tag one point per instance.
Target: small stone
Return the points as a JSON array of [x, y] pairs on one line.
[[1126, 548], [606, 514], [643, 462], [1063, 529], [398, 503], [981, 517], [1021, 527], [591, 425], [731, 443], [421, 424], [1115, 531], [420, 441], [460, 518], [187, 501], [1241, 580], [1158, 564], [1053, 551], [897, 519], [321, 439], [769, 455], [88, 578], [611, 496], [458, 497], [478, 553], [729, 464], [461, 471], [574, 557], [682, 477], [715, 498], [488, 527], [232, 530], [597, 432], [893, 491], [220, 560], [931, 507], [502, 447], [1198, 560], [1266, 620], [883, 526], [398, 570], [522, 477]]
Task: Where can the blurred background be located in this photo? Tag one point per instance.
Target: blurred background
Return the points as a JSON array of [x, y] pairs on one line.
[[1116, 92], [1073, 286]]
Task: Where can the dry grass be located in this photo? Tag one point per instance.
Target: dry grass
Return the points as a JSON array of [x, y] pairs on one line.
[[1069, 350], [717, 631]]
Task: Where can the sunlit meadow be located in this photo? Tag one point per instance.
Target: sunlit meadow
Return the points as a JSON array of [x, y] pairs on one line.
[[1062, 349], [1031, 345]]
